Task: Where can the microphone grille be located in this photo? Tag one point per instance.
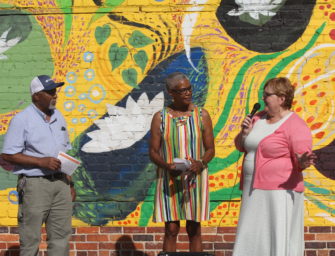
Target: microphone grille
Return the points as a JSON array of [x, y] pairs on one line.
[[257, 106]]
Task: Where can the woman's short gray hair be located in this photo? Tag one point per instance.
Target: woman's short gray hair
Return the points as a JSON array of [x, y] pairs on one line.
[[172, 80]]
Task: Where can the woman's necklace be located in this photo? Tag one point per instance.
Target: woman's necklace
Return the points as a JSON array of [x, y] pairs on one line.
[[181, 120], [181, 117]]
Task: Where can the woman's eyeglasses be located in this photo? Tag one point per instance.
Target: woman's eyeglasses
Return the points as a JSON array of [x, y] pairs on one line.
[[182, 91], [265, 94]]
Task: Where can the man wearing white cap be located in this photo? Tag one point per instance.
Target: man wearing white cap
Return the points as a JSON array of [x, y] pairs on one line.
[[33, 140]]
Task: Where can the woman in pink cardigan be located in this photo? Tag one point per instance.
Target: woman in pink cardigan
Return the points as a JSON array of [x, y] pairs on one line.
[[278, 146]]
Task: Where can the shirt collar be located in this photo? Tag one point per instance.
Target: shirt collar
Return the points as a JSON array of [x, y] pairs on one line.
[[43, 115]]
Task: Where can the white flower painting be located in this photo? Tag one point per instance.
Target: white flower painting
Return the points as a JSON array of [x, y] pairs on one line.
[[124, 126], [255, 8]]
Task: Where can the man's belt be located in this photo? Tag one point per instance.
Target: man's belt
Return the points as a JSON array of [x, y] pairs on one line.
[[51, 177]]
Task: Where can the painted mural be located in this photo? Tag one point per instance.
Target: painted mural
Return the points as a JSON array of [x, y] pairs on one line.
[[114, 56]]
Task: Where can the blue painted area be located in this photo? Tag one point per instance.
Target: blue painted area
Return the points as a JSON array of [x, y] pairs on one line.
[[14, 194], [120, 179]]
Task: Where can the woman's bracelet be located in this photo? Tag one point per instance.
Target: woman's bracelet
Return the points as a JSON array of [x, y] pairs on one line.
[[204, 164]]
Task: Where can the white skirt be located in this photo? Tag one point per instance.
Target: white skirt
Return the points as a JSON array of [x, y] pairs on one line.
[[271, 222]]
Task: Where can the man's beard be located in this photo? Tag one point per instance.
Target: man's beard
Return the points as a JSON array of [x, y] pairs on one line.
[[52, 105]]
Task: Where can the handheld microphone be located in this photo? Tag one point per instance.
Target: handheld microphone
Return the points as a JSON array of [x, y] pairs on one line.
[[256, 107]]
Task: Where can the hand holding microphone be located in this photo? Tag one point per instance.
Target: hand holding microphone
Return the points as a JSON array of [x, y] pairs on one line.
[[246, 124]]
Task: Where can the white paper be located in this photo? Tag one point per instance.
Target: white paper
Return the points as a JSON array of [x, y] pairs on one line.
[[181, 164], [69, 164]]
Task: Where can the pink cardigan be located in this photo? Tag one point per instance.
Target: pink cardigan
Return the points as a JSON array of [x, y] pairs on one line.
[[276, 167]]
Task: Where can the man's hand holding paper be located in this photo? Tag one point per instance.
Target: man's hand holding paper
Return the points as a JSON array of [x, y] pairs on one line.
[[69, 164]]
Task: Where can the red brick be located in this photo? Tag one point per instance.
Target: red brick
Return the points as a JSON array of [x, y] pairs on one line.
[[3, 245], [133, 230], [315, 245], [13, 245], [182, 230], [152, 253], [3, 229], [81, 253], [323, 253], [229, 238], [309, 237], [87, 246], [212, 238], [318, 229], [143, 237], [325, 237], [183, 246], [155, 230], [208, 246], [209, 230], [92, 254], [111, 230], [220, 246], [8, 237], [222, 230], [159, 238], [72, 246], [97, 238], [104, 253], [228, 253], [80, 238], [182, 238], [109, 246], [310, 253], [14, 230], [151, 246], [88, 230], [115, 237]]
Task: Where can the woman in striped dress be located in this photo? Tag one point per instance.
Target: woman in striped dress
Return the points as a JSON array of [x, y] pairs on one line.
[[181, 130]]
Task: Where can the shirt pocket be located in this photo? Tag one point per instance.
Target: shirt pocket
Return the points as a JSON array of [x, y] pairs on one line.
[[61, 136]]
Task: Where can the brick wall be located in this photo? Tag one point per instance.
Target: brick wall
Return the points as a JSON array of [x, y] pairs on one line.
[[148, 241], [108, 54]]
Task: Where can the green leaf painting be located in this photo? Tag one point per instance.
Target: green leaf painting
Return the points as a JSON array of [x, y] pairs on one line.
[[102, 33], [117, 55], [138, 39], [130, 77], [141, 59]]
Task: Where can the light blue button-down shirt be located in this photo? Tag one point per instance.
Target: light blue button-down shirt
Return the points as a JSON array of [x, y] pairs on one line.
[[31, 134]]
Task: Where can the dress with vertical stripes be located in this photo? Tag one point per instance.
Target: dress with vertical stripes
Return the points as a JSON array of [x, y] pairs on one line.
[[181, 198]]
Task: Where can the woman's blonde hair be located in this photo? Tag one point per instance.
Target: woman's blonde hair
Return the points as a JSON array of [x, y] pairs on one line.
[[282, 86]]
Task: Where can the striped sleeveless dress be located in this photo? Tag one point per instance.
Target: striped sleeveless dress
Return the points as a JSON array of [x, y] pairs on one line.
[[178, 198]]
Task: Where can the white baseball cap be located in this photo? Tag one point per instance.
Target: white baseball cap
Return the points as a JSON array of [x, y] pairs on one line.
[[43, 83]]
